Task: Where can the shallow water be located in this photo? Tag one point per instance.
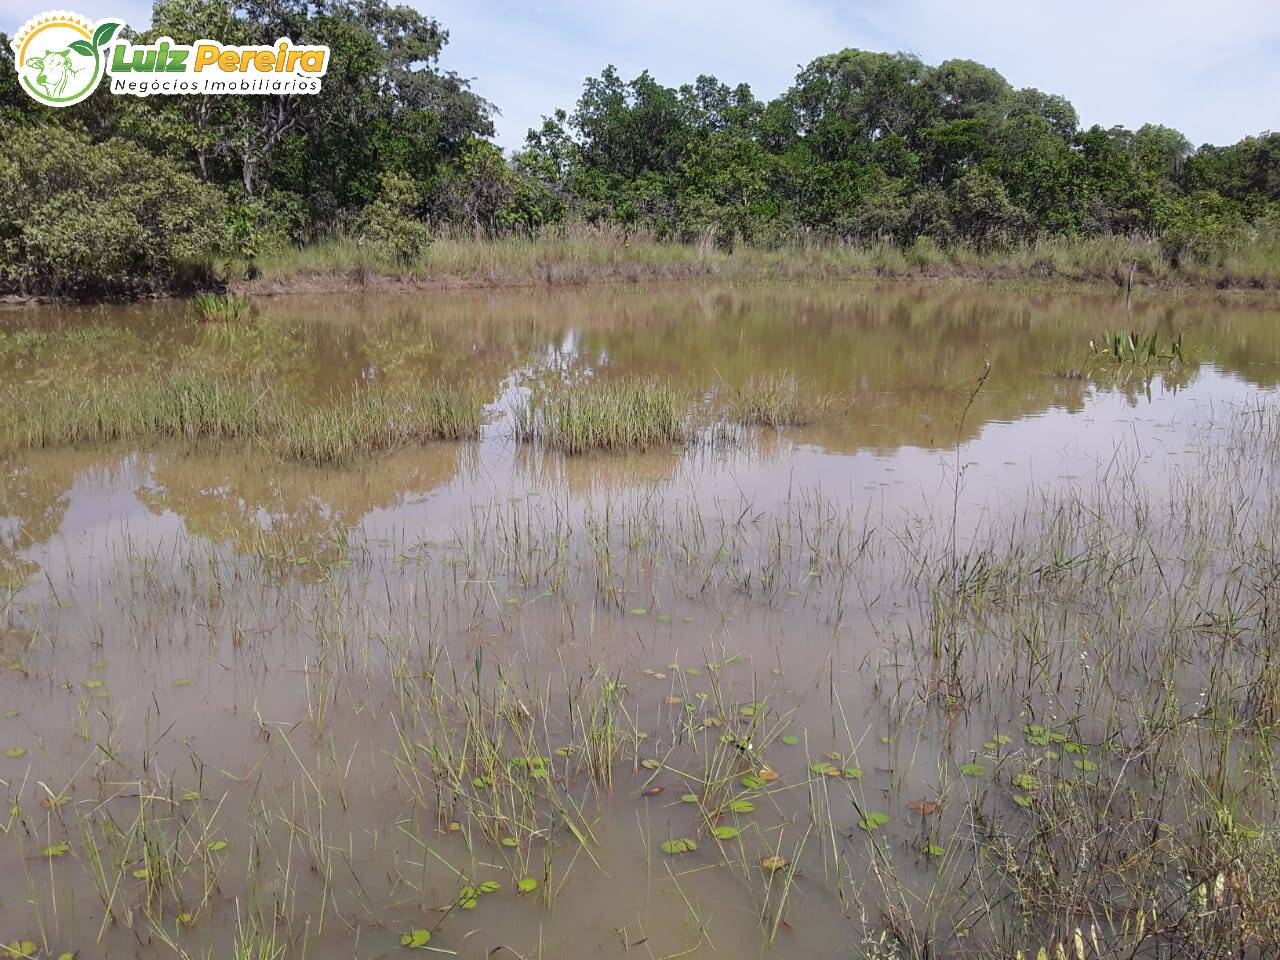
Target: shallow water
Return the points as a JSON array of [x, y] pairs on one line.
[[295, 644]]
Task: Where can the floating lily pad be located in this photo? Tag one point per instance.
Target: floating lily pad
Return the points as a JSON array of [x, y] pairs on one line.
[[56, 850], [15, 752], [873, 821], [639, 611], [216, 845], [415, 939], [94, 684], [689, 798], [490, 886], [1087, 766], [973, 770], [651, 764], [790, 740], [824, 768], [9, 714], [851, 773], [183, 682], [1025, 781], [19, 948], [679, 845], [741, 806], [725, 832], [191, 796], [527, 885], [933, 850], [752, 782]]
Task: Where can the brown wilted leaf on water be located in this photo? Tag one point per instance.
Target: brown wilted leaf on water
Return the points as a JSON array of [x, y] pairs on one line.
[[926, 808], [654, 791]]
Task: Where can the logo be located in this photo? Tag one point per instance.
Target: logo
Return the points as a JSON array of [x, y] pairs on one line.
[[61, 58]]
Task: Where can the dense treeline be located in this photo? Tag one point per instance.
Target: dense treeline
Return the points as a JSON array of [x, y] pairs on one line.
[[864, 147]]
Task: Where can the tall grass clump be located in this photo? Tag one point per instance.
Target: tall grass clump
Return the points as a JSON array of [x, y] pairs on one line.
[[206, 407], [220, 308], [371, 422], [774, 400], [187, 406], [625, 415]]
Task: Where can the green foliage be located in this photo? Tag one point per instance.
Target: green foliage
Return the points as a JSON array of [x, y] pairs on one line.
[[390, 224], [86, 219], [876, 149]]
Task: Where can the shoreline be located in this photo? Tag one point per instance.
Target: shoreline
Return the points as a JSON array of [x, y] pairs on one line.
[[326, 283]]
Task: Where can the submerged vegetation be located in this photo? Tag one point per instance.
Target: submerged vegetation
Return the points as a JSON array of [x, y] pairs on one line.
[[884, 162], [1059, 735], [489, 699]]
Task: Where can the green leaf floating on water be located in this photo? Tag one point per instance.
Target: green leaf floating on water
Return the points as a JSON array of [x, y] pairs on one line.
[[527, 885], [741, 806], [973, 770], [724, 833], [679, 845], [689, 798], [790, 740], [56, 850], [415, 939], [490, 886], [873, 821], [933, 850], [15, 752], [510, 842], [19, 948]]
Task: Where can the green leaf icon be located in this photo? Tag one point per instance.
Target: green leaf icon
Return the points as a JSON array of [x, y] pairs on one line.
[[104, 33], [82, 47]]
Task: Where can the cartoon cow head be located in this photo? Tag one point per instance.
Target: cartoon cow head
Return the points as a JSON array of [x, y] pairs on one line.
[[56, 71]]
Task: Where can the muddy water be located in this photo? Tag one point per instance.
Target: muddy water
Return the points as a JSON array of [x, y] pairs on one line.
[[236, 675]]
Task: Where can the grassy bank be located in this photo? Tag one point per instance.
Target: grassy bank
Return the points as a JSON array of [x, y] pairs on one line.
[[582, 254]]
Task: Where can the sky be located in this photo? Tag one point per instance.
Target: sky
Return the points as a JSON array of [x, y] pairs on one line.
[[1210, 69]]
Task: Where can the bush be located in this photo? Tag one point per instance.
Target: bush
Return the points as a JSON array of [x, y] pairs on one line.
[[83, 219], [390, 224]]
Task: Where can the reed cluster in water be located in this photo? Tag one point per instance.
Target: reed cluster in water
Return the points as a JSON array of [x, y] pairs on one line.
[[205, 407]]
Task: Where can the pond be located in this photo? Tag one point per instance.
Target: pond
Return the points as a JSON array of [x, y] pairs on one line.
[[977, 656]]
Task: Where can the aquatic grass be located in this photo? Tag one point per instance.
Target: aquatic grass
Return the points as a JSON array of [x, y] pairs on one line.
[[221, 308], [602, 415], [210, 408], [774, 400]]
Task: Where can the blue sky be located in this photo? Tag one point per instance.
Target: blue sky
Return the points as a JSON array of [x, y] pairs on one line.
[[1210, 69]]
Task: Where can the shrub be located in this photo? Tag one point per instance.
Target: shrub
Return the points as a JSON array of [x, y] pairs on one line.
[[390, 224], [81, 219]]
